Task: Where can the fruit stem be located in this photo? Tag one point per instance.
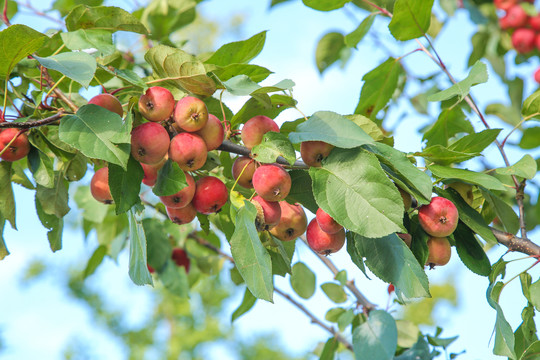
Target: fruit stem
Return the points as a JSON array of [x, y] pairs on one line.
[[241, 172]]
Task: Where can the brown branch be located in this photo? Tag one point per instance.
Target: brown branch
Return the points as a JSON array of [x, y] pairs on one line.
[[514, 243], [32, 124], [58, 92], [231, 147], [301, 307], [360, 298]]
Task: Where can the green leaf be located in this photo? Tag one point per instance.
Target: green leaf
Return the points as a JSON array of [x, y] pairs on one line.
[[331, 128], [525, 168], [530, 138], [127, 75], [95, 260], [18, 41], [303, 280], [247, 303], [477, 75], [54, 201], [352, 39], [251, 258], [531, 105], [503, 210], [408, 333], [451, 121], [356, 258], [368, 125], [504, 337], [471, 177], [525, 334], [468, 215], [441, 155], [3, 248], [411, 19], [54, 224], [325, 5], [255, 72], [254, 107], [329, 50], [78, 66], [109, 18], [75, 169], [475, 142], [400, 166], [159, 248], [93, 210], [238, 52], [41, 167], [92, 130], [301, 190], [334, 292], [100, 40], [242, 85], [125, 185], [420, 350], [532, 351], [138, 270], [329, 349], [346, 186], [471, 252], [379, 86], [376, 338], [509, 114], [171, 179], [391, 260], [175, 279], [534, 291], [274, 144]]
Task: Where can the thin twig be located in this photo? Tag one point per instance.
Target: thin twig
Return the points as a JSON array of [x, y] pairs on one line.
[[32, 124], [514, 243], [360, 298]]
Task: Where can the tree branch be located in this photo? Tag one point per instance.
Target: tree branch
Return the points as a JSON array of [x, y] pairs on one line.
[[514, 243], [231, 147], [32, 124]]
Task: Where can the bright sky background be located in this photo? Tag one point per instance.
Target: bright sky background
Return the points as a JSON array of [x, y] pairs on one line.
[[38, 320]]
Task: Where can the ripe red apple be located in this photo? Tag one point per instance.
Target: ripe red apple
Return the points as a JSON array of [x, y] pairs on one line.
[[407, 238], [326, 222], [156, 104], [109, 102], [190, 113], [537, 41], [181, 258], [188, 151], [313, 152], [272, 182], [504, 4], [149, 143], [439, 218], [99, 186], [210, 195], [322, 242], [292, 224], [212, 133], [181, 198], [183, 215], [537, 75], [250, 165], [268, 213], [19, 148], [255, 128], [439, 251], [523, 40], [534, 22], [151, 171], [516, 17]]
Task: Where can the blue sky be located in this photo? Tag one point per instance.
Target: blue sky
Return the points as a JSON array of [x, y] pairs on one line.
[[42, 317]]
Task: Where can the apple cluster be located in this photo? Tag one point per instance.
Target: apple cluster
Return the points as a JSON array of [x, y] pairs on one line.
[[197, 133], [525, 28]]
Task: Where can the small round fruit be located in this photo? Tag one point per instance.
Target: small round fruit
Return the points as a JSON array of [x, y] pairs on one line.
[[183, 215], [268, 213], [439, 251], [272, 182], [523, 40], [212, 133], [313, 152], [151, 171], [247, 175], [190, 113], [537, 75], [181, 258], [439, 218], [407, 238], [326, 222], [156, 104], [391, 289], [321, 242], [255, 128], [109, 102], [504, 4], [516, 17], [149, 143], [18, 149], [183, 197], [292, 224], [188, 151], [210, 195], [99, 186]]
